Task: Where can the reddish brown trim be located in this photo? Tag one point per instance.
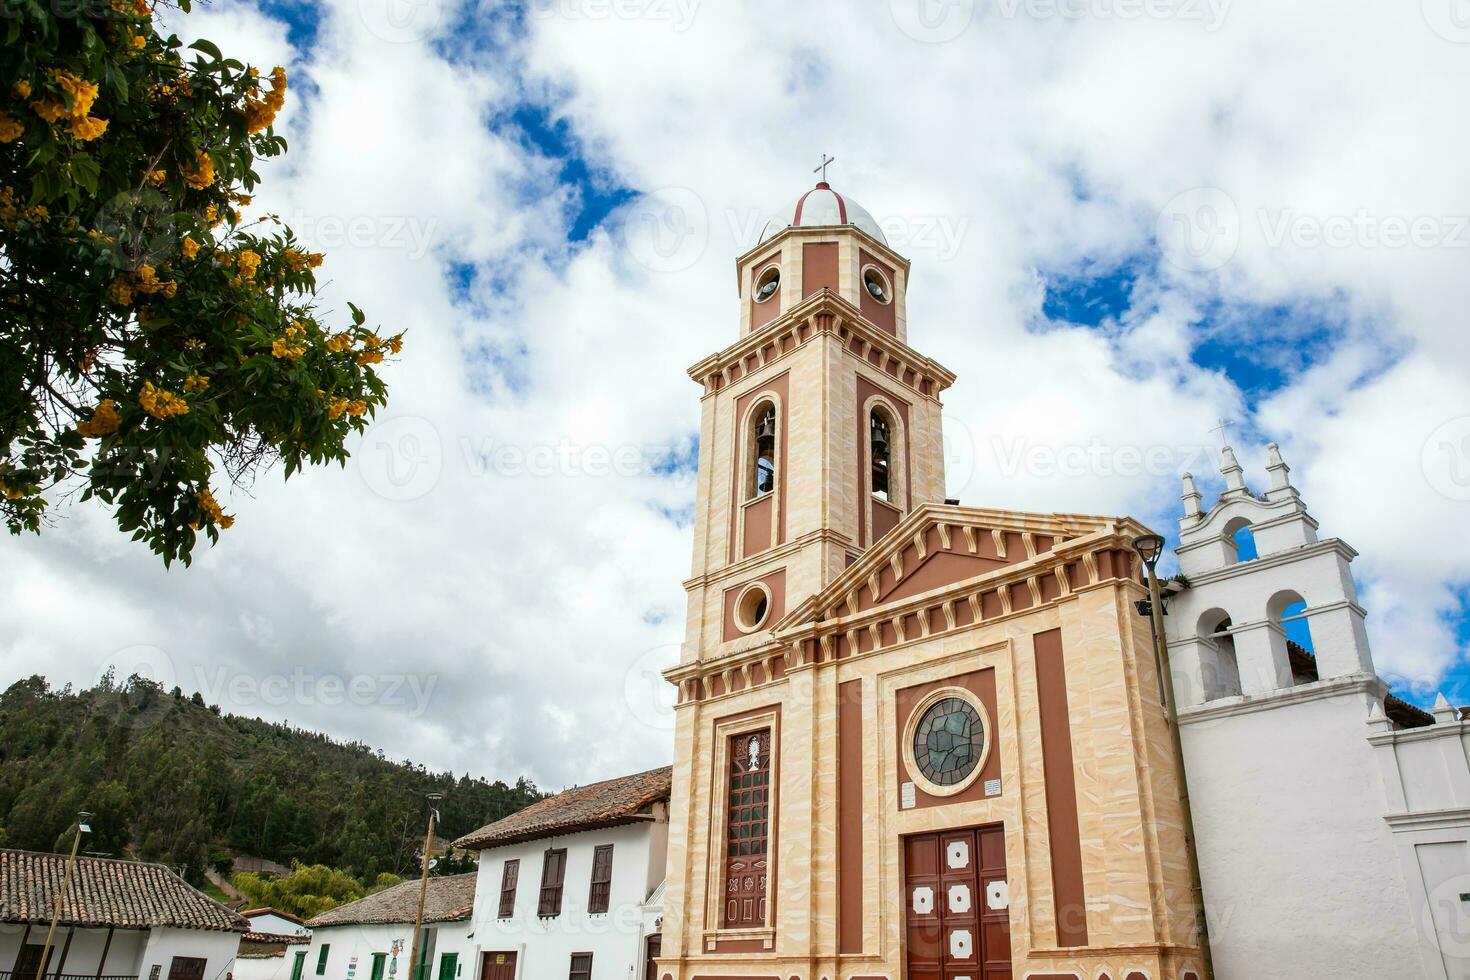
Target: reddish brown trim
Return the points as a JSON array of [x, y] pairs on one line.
[[980, 683], [865, 390], [780, 387], [776, 582], [850, 817], [1061, 790], [818, 267]]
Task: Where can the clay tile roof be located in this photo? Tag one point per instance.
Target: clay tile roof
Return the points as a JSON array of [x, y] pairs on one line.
[[449, 898], [105, 892], [605, 804]]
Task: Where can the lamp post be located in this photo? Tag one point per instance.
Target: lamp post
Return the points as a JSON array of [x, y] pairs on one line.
[[1150, 548], [71, 863], [418, 921]]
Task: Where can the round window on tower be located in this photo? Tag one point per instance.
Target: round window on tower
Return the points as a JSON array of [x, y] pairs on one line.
[[767, 283], [876, 284], [947, 741], [752, 607]]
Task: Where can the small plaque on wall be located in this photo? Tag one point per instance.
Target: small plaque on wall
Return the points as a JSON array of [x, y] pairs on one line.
[[992, 787], [906, 795]]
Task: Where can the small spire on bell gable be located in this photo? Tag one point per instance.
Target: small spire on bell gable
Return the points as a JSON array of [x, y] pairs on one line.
[[1280, 472], [1191, 497], [1230, 469]]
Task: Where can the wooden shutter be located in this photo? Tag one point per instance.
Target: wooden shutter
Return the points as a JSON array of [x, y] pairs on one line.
[[747, 829], [581, 967], [509, 877], [553, 874], [601, 893]]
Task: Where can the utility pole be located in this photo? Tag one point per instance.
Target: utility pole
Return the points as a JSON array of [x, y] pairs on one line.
[[418, 921], [1150, 547], [71, 863]]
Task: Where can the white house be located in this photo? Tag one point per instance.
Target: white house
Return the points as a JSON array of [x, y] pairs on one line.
[[571, 886], [372, 938], [1332, 818], [274, 948], [120, 920]]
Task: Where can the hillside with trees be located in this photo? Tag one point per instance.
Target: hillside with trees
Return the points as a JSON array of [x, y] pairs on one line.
[[171, 779]]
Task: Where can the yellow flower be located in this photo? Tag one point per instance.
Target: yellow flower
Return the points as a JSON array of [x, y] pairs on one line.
[[261, 112], [120, 292], [357, 408], [104, 420], [203, 173], [10, 128], [189, 247], [211, 215], [195, 383], [83, 93], [137, 41], [336, 407], [156, 177], [247, 262], [194, 343], [49, 109], [370, 357], [281, 347], [21, 89], [395, 344], [160, 403], [213, 513], [88, 128]]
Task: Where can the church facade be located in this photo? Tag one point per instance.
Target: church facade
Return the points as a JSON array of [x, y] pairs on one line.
[[913, 739]]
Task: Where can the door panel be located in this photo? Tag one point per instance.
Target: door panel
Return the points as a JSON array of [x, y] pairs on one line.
[[956, 905], [498, 966]]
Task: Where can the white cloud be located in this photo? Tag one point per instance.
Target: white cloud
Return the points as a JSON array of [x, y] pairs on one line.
[[476, 543]]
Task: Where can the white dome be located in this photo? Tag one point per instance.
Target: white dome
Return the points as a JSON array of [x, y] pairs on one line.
[[821, 206]]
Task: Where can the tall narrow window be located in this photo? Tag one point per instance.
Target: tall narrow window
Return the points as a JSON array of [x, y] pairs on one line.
[[581, 967], [880, 445], [553, 874], [599, 896], [510, 876], [321, 959], [747, 829], [763, 474]]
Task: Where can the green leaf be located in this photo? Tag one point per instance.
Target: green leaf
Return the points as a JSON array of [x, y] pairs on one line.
[[208, 48]]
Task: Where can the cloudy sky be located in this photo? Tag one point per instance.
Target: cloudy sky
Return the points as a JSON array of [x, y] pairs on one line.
[[1127, 219]]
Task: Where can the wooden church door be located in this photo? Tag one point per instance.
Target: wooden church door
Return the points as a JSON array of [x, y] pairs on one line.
[[957, 905]]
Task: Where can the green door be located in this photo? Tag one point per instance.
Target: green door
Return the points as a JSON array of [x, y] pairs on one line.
[[448, 966], [298, 967], [380, 961]]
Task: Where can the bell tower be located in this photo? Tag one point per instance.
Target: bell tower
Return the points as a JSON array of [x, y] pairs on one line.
[[820, 427]]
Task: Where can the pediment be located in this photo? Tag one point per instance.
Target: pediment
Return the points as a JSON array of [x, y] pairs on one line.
[[939, 545]]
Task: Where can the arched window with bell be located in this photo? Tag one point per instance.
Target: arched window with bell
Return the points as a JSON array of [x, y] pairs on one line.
[[880, 460], [762, 451]]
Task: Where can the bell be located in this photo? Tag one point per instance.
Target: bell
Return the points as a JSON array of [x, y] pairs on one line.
[[880, 439], [766, 429]]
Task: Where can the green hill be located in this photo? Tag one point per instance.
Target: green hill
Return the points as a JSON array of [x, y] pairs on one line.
[[171, 779]]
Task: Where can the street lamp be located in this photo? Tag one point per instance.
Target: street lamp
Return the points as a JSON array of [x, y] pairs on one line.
[[1150, 548], [83, 827], [414, 969]]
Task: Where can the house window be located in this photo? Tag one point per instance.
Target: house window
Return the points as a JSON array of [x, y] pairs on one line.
[[186, 968], [581, 967], [321, 958], [553, 874], [747, 829], [763, 452], [880, 446], [601, 892], [509, 876]]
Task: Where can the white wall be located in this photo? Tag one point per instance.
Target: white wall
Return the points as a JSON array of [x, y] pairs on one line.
[[123, 955], [1300, 873], [276, 925], [269, 967], [217, 949], [1426, 796], [352, 948], [615, 939]]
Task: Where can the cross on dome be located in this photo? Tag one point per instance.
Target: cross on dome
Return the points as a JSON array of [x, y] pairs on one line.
[[821, 168]]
